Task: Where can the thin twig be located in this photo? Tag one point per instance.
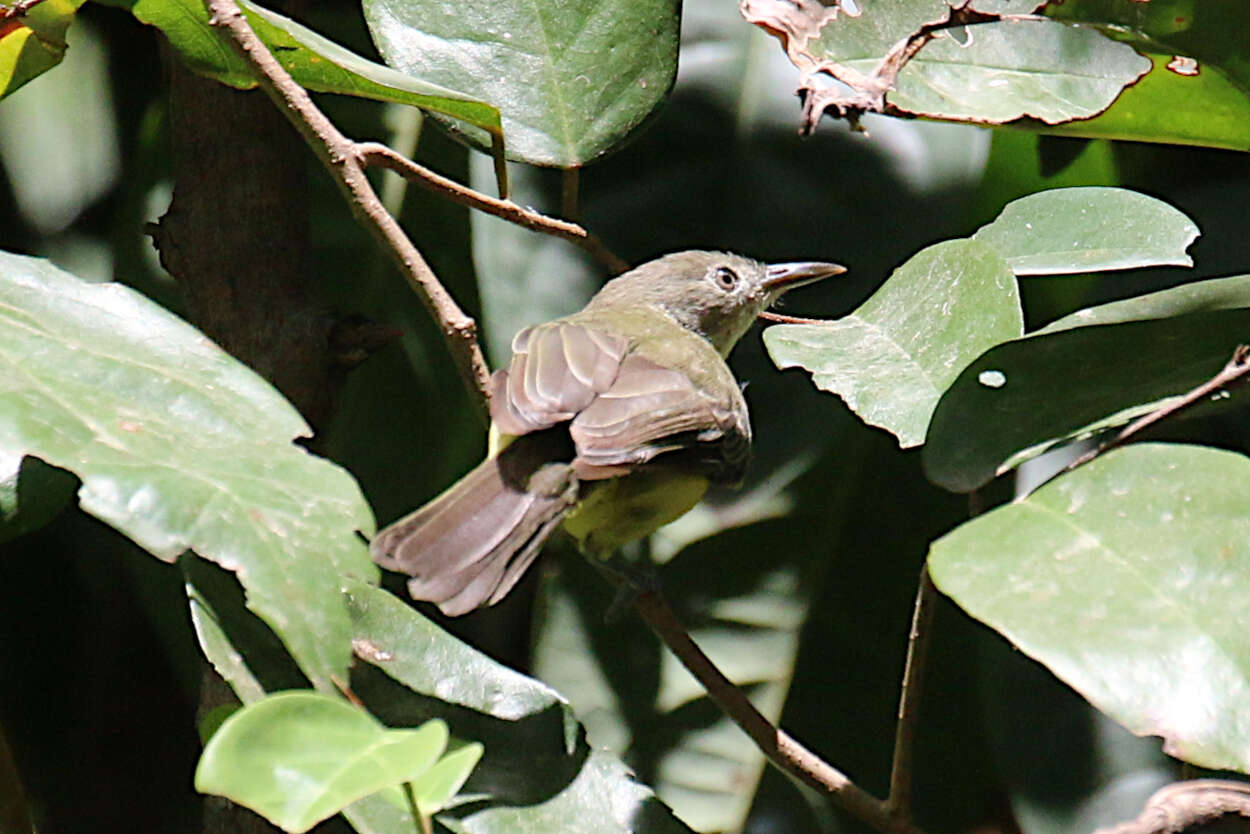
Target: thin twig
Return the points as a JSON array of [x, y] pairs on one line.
[[1233, 371], [374, 154], [918, 640], [17, 9], [778, 746], [1181, 805], [782, 318]]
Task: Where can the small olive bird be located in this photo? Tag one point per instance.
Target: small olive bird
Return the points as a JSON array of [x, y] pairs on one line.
[[611, 421]]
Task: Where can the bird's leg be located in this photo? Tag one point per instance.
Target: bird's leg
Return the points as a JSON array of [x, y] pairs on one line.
[[630, 577]]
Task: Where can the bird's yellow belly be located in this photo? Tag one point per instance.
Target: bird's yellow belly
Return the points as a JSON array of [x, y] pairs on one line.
[[620, 510]]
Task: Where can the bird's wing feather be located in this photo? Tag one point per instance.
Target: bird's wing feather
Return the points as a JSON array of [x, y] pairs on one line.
[[557, 369], [651, 410]]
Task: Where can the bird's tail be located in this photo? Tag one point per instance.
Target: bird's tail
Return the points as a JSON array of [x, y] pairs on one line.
[[470, 545]]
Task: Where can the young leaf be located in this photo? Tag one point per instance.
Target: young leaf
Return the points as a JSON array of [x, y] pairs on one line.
[[34, 42], [179, 446], [1089, 229], [1126, 579], [892, 358], [297, 758], [539, 772]]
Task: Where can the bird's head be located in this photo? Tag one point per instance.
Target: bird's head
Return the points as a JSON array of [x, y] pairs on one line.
[[714, 294]]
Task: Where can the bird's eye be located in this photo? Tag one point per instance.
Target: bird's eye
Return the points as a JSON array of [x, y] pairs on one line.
[[726, 278]]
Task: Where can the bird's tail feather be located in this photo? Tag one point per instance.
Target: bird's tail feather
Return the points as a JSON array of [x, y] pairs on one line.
[[470, 545]]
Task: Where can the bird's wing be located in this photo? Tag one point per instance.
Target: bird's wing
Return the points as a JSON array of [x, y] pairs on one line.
[[651, 410], [557, 370], [623, 408]]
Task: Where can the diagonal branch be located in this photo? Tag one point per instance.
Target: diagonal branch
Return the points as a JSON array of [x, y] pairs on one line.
[[779, 747], [340, 156], [347, 160], [1233, 372]]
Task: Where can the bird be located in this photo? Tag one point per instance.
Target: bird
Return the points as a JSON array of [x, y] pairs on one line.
[[612, 422]]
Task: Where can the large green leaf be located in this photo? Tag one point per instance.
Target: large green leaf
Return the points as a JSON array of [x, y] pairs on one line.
[[1127, 579], [892, 358], [1007, 70], [571, 80], [1201, 101], [1088, 230], [300, 757], [1022, 397], [180, 447], [316, 62]]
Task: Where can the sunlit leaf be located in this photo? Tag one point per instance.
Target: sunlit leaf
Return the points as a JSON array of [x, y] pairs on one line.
[[1126, 578], [892, 358], [297, 758], [179, 446], [1089, 229], [34, 42], [1194, 297]]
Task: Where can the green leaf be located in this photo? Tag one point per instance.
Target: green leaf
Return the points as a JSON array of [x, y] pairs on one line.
[[538, 770], [1089, 229], [1006, 70], [297, 758], [1023, 397], [892, 358], [417, 653], [1126, 579], [314, 61], [435, 788], [1195, 297], [34, 42], [571, 81], [179, 446], [1207, 110]]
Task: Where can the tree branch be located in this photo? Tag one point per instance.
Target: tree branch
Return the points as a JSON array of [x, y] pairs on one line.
[[778, 746], [374, 154], [1233, 372], [1183, 804], [341, 157]]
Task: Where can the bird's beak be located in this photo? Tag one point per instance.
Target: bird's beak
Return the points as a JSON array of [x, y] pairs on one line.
[[782, 277]]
